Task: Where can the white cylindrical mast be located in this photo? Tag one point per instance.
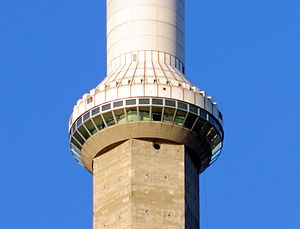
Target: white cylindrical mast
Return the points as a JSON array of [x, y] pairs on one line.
[[135, 25]]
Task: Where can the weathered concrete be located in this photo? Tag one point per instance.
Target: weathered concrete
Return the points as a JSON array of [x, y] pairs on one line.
[[138, 186]]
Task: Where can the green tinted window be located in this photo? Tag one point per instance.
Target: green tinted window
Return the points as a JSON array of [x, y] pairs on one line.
[[190, 120], [91, 127], [179, 118], [144, 113], [168, 114], [132, 114], [199, 125], [74, 142], [109, 119], [99, 122], [120, 116], [79, 138], [156, 113], [83, 132]]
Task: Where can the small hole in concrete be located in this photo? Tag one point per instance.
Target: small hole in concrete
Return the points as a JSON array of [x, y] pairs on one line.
[[156, 146]]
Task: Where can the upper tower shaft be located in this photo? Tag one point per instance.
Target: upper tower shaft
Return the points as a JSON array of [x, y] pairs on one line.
[[137, 25]]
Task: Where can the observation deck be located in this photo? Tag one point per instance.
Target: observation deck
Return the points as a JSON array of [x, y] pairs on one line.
[[148, 96]]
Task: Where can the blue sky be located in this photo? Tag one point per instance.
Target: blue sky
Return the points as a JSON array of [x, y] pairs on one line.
[[246, 54]]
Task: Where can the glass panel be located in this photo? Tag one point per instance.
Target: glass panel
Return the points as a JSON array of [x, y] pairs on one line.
[[118, 104], [75, 143], [211, 120], [215, 141], [157, 101], [203, 114], [91, 127], [168, 115], [207, 129], [79, 121], [182, 105], [190, 120], [156, 113], [131, 114], [144, 101], [73, 128], [193, 109], [109, 119], [83, 132], [95, 111], [218, 127], [120, 116], [130, 102], [212, 134], [106, 107], [79, 138], [170, 103], [86, 116], [199, 125], [217, 149], [99, 122], [144, 113], [75, 149], [179, 118]]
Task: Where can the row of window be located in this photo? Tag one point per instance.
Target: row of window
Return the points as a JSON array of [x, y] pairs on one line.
[[168, 111], [150, 102]]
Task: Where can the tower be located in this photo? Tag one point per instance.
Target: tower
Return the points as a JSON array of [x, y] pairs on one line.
[[146, 132]]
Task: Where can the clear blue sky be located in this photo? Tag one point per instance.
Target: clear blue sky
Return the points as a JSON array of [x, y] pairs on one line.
[[246, 54]]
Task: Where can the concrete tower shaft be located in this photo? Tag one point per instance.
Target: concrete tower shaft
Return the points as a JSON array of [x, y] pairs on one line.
[[137, 25]]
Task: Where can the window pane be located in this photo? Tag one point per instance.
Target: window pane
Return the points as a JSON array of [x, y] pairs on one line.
[[207, 129], [83, 132], [215, 141], [182, 105], [179, 118], [168, 115], [190, 120], [75, 143], [106, 107], [170, 103], [144, 101], [194, 109], [203, 114], [79, 121], [131, 114], [156, 113], [118, 104], [157, 101], [130, 102], [144, 113], [99, 122], [73, 128], [91, 127], [109, 119], [199, 125], [95, 111], [79, 138], [86, 116], [120, 116]]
